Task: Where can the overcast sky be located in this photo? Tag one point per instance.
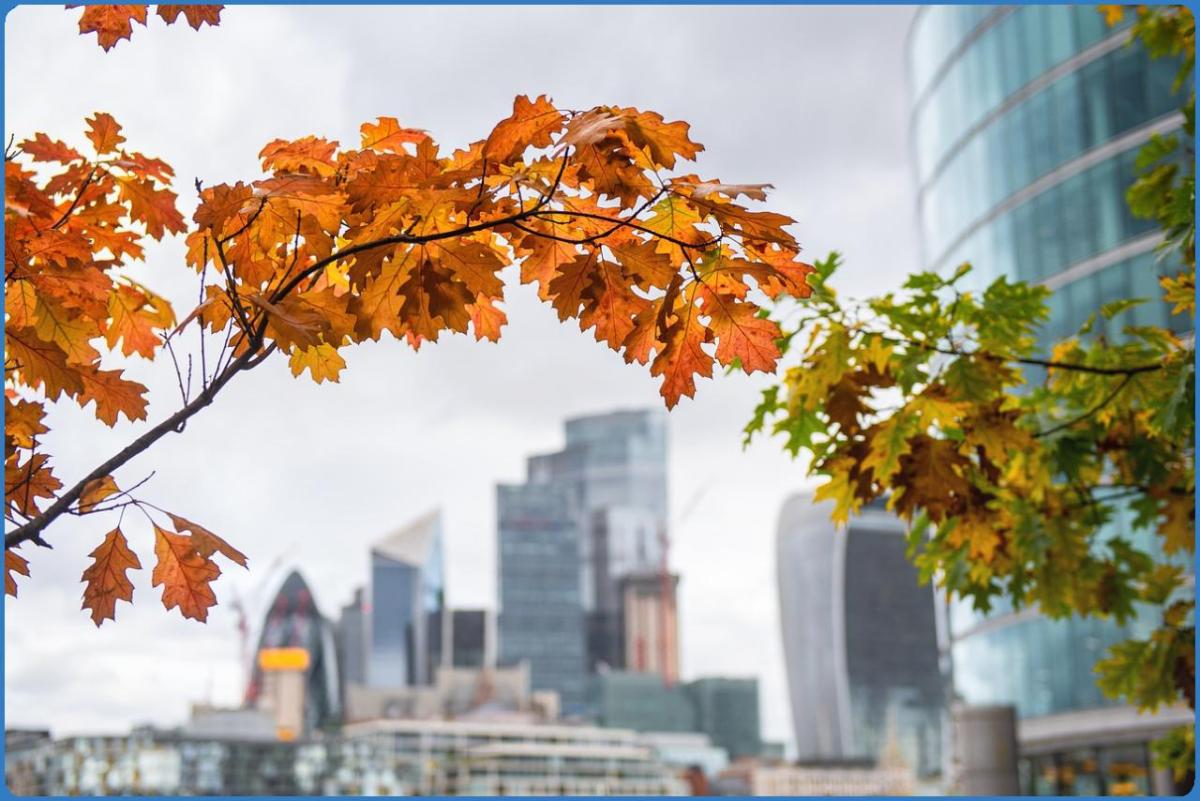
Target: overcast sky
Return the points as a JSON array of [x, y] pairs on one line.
[[811, 99]]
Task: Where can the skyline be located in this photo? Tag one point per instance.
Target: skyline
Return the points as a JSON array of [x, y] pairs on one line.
[[833, 141]]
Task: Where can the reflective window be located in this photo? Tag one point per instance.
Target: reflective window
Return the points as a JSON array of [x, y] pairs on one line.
[[1019, 46], [1109, 97]]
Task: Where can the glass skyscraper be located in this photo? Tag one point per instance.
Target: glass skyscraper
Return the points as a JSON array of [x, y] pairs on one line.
[[859, 638], [1026, 125], [541, 609], [598, 505], [407, 601]]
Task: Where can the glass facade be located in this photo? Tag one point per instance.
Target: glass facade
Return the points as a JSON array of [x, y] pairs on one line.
[[407, 599], [860, 639], [1026, 123], [605, 494], [541, 610], [727, 711]]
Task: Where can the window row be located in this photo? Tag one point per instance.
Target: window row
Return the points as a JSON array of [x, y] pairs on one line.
[[936, 33], [1018, 48], [1082, 110], [1074, 220], [1041, 666]]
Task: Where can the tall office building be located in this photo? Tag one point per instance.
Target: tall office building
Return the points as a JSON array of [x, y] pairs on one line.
[[1026, 124], [351, 637], [614, 470], [472, 639], [588, 519], [859, 637], [294, 628], [541, 609], [407, 601]]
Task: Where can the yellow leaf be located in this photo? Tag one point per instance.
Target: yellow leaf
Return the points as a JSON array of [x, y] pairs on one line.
[[839, 490], [322, 361]]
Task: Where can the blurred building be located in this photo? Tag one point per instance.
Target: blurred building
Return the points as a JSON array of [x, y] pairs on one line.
[[401, 757], [472, 638], [859, 637], [492, 693], [350, 635], [407, 601], [295, 672], [725, 710], [1027, 122], [848, 778], [541, 612], [596, 509]]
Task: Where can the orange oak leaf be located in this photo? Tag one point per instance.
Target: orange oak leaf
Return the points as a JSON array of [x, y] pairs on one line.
[[111, 23], [96, 491], [532, 124], [153, 206], [196, 15], [104, 132], [106, 579], [386, 135], [185, 576], [13, 563], [741, 334], [205, 542], [683, 356]]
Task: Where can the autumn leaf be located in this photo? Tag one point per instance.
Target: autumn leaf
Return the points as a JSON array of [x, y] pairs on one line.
[[532, 124], [322, 361], [387, 136], [742, 336], [13, 563], [683, 356], [153, 206], [96, 491], [104, 132], [106, 577], [206, 543], [196, 15], [111, 23], [185, 576]]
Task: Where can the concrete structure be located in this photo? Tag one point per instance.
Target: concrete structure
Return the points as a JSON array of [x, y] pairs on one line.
[[859, 636], [987, 752], [493, 693], [1027, 122], [407, 602], [650, 624], [478, 758], [685, 750], [750, 777]]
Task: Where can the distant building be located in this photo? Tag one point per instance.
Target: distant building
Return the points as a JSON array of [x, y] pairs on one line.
[[294, 625], [351, 638], [859, 636], [727, 711], [472, 638], [597, 508], [407, 599], [650, 624], [724, 709], [614, 469], [752, 778], [640, 701], [685, 750], [401, 757], [541, 614], [485, 693]]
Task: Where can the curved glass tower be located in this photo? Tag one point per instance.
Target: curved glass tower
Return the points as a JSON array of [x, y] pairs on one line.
[[1026, 124], [859, 639]]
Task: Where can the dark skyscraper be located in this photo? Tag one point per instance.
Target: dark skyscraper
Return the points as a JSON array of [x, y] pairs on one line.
[[859, 636], [294, 622]]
